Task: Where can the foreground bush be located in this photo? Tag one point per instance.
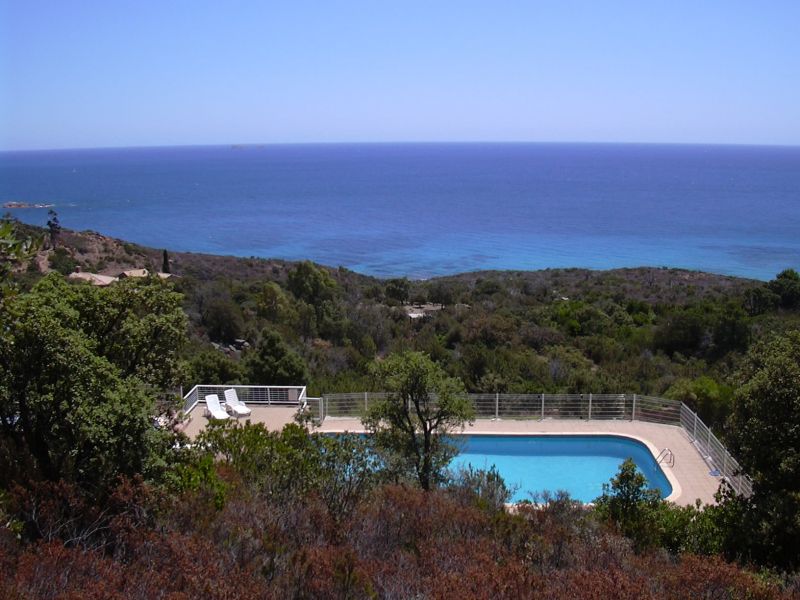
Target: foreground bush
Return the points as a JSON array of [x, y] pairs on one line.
[[397, 542]]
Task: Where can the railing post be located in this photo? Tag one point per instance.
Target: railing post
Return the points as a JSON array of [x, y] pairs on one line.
[[708, 441], [269, 397], [321, 409], [633, 409], [366, 406], [694, 431], [590, 406], [542, 419], [497, 405]]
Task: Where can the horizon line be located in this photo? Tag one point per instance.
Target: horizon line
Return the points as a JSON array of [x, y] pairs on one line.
[[246, 145]]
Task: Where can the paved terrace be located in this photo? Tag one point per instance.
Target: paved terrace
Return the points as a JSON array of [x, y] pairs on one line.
[[690, 476]]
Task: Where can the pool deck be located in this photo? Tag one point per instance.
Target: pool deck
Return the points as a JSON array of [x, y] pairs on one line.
[[690, 476]]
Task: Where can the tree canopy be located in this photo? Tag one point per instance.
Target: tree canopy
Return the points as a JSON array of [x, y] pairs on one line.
[[424, 405], [764, 433], [81, 369], [13, 249], [272, 362]]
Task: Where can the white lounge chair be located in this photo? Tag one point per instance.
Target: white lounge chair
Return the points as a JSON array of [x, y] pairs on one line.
[[237, 406], [214, 409]]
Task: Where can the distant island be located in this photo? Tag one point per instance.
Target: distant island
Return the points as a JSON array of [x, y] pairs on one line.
[[27, 205]]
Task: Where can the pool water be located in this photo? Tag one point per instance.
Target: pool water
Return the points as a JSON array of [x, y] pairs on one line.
[[578, 464]]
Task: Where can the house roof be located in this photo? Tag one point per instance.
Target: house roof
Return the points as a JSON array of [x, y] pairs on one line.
[[135, 273], [93, 278]]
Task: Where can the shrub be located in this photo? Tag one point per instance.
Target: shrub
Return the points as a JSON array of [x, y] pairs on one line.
[[484, 488], [61, 260], [628, 504]]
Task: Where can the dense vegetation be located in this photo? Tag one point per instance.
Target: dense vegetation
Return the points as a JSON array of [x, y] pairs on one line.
[[101, 497], [664, 332]]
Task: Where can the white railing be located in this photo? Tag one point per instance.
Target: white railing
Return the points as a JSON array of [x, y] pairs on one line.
[[628, 407], [530, 406], [190, 401], [279, 395], [713, 452], [347, 405]]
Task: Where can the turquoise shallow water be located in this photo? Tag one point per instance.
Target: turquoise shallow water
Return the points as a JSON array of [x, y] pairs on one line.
[[431, 209], [578, 464]]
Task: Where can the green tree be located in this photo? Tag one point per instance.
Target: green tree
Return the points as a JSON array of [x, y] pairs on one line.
[[423, 408], [691, 529], [349, 470], [311, 284], [81, 369], [220, 314], [685, 331], [398, 289], [787, 287], [710, 399], [223, 320], [731, 330], [137, 324], [630, 505], [53, 226], [165, 262], [61, 260], [314, 287], [759, 300], [13, 250], [214, 367], [442, 294], [764, 434], [307, 320], [484, 488], [492, 383], [275, 305], [290, 464], [279, 464], [272, 362]]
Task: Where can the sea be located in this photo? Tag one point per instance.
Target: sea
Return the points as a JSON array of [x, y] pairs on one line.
[[424, 210]]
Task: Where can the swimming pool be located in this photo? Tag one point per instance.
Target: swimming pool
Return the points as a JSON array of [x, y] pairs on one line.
[[579, 464]]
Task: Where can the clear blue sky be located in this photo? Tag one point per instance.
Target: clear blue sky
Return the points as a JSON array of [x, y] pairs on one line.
[[86, 73]]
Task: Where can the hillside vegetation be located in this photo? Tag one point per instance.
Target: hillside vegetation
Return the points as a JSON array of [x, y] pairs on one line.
[[658, 331], [101, 495]]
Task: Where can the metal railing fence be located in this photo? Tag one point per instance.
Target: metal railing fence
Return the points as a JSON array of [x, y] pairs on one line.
[[624, 407], [290, 395], [627, 407], [530, 406], [348, 404], [713, 452]]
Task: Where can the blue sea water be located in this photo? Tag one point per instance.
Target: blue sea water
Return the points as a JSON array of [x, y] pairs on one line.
[[422, 210], [578, 464]]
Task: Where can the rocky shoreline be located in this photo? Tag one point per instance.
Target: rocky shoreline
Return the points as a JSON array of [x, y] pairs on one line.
[[27, 205]]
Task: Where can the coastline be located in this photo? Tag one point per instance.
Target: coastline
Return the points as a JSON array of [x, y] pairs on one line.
[[91, 247], [432, 210]]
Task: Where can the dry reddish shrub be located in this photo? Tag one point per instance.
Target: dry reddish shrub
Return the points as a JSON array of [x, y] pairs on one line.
[[400, 517], [400, 543], [173, 567], [51, 570], [712, 577], [336, 572]]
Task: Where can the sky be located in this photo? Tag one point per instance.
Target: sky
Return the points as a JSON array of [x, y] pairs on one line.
[[100, 73]]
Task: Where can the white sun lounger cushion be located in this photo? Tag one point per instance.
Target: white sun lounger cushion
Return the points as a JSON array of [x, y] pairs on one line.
[[213, 406], [236, 405]]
